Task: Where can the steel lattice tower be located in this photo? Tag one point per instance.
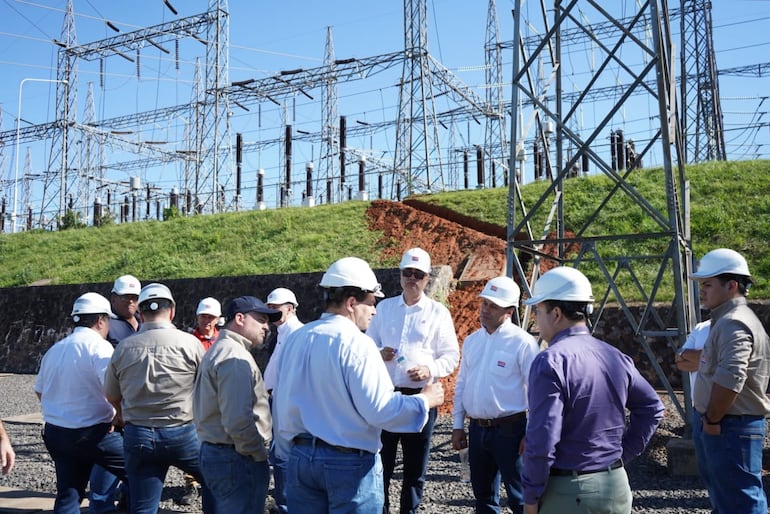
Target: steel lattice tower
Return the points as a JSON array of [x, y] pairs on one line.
[[418, 152], [702, 123], [330, 134], [495, 126], [623, 56]]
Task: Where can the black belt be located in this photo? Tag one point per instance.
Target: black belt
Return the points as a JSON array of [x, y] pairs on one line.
[[568, 472], [409, 390], [314, 441], [496, 422], [220, 445]]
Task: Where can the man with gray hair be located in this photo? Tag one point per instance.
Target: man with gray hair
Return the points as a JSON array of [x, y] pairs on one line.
[[150, 382]]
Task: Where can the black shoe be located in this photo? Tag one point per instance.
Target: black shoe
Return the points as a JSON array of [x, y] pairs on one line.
[[189, 496]]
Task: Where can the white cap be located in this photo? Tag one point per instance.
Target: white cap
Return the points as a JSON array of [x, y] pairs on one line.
[[562, 283], [352, 272], [502, 291], [416, 258], [91, 303], [281, 295], [155, 291], [719, 261], [126, 284], [209, 306]]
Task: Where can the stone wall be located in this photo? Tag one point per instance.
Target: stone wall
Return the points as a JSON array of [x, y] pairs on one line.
[[34, 318]]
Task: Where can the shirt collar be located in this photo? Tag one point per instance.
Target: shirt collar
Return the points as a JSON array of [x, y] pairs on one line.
[[720, 310], [575, 330]]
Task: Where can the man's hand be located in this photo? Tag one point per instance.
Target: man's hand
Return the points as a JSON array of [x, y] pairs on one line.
[[435, 394], [387, 353], [530, 508], [459, 439], [419, 373]]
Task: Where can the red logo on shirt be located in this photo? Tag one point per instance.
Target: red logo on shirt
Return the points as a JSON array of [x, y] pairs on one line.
[[500, 364]]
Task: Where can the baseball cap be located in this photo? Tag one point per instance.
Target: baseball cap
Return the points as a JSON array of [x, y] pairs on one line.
[[245, 304], [126, 284], [281, 295], [209, 306], [416, 258]]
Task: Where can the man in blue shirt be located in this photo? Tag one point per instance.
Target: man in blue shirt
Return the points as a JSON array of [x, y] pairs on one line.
[[577, 438]]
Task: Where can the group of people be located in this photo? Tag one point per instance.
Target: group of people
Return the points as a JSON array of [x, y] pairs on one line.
[[341, 394]]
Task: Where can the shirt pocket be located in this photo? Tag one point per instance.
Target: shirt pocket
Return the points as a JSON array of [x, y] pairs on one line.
[[502, 364]]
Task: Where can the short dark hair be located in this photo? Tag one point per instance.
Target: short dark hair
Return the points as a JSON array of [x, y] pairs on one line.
[[87, 320], [155, 304], [334, 296], [744, 282], [574, 311]]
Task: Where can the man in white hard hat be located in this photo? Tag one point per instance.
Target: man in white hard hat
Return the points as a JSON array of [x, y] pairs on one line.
[[491, 389], [417, 341], [123, 300], [729, 397], [579, 391], [334, 396], [207, 317], [232, 412], [79, 420], [285, 301], [150, 382]]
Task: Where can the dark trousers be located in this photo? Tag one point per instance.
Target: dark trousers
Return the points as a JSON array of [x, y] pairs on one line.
[[74, 452], [493, 453], [415, 449]]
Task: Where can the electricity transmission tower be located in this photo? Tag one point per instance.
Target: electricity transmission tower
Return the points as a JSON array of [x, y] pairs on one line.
[[636, 52]]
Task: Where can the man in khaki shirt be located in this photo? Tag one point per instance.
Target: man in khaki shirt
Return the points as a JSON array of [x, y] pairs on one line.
[[232, 411]]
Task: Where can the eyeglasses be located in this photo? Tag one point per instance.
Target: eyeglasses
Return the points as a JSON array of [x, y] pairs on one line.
[[409, 273]]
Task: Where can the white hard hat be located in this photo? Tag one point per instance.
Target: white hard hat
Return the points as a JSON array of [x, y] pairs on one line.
[[719, 261], [281, 295], [209, 306], [155, 291], [126, 284], [502, 291], [91, 303], [562, 283], [352, 272], [416, 258]]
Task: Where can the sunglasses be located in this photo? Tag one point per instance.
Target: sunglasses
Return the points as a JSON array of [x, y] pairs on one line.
[[409, 273]]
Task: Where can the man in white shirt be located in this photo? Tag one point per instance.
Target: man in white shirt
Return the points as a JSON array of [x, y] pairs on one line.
[[418, 343], [79, 430], [333, 397], [688, 356], [491, 390], [285, 301]]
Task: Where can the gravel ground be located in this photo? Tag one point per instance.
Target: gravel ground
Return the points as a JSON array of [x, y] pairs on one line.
[[655, 490]]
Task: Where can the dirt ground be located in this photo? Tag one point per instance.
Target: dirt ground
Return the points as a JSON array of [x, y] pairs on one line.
[[448, 243]]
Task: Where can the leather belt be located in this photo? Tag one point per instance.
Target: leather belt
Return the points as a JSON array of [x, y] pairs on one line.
[[315, 441], [409, 390], [568, 472], [496, 422]]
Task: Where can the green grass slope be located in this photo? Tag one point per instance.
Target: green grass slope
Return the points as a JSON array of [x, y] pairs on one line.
[[730, 208]]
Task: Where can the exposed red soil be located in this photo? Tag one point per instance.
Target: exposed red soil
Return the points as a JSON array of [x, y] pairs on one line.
[[448, 243]]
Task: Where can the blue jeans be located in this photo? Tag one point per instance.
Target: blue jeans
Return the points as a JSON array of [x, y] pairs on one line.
[[731, 463], [103, 491], [74, 452], [238, 483], [415, 449], [149, 453], [279, 480], [494, 452], [323, 480]]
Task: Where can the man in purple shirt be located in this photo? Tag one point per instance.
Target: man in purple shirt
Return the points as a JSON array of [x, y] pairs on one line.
[[577, 438]]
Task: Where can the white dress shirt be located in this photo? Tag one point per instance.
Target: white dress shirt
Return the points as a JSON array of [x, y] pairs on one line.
[[333, 385], [695, 341], [422, 334], [71, 380], [273, 365], [494, 370]]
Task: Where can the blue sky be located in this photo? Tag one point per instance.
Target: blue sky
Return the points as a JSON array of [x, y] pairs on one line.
[[267, 37]]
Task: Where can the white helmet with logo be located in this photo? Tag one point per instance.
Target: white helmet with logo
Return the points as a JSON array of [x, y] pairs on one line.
[[502, 291], [720, 261], [91, 303], [352, 272], [562, 284], [280, 296]]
